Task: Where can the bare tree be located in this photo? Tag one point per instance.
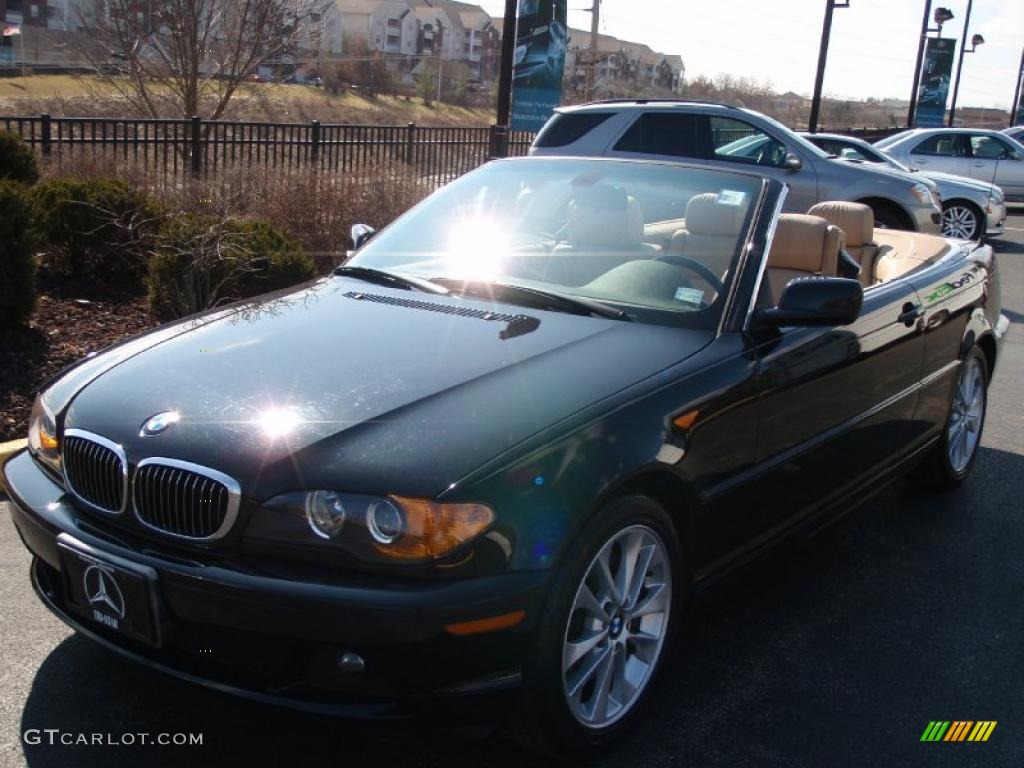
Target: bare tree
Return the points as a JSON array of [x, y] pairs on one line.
[[189, 57]]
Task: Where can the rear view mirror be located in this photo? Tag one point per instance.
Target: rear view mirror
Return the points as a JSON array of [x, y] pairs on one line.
[[792, 162], [361, 234], [815, 301]]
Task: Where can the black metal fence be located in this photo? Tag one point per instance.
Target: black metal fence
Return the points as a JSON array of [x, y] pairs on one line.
[[201, 147]]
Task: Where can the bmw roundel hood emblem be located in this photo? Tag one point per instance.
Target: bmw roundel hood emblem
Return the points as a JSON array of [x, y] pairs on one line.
[[156, 424]]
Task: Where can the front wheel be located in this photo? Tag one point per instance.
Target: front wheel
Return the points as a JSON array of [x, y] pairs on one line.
[[606, 627], [954, 455], [961, 221]]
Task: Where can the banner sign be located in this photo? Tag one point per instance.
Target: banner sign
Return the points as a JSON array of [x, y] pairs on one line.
[[541, 40], [934, 88]]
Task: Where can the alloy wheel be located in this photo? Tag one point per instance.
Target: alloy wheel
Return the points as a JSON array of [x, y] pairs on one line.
[[617, 626], [960, 222], [965, 418]]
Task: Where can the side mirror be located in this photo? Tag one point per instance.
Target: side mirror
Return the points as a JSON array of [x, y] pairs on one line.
[[792, 162], [815, 301], [361, 234]]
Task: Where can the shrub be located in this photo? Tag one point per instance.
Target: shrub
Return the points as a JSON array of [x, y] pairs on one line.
[[17, 163], [17, 264], [96, 230], [201, 262]]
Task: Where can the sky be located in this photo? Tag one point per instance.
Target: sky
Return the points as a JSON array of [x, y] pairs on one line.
[[872, 51]]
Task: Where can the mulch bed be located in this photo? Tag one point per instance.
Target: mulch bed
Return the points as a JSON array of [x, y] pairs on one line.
[[69, 323]]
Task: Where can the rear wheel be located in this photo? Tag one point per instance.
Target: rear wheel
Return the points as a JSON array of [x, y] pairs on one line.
[[961, 220], [954, 455], [606, 628]]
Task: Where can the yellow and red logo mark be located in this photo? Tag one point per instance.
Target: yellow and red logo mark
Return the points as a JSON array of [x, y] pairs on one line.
[[958, 730]]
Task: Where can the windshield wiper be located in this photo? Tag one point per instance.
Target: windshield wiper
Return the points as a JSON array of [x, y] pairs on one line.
[[533, 297], [379, 276]]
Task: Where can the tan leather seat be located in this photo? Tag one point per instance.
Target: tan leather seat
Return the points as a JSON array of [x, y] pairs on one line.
[[803, 246], [858, 224], [711, 232], [605, 228]]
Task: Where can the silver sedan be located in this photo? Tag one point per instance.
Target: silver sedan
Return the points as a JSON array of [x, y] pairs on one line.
[[965, 202]]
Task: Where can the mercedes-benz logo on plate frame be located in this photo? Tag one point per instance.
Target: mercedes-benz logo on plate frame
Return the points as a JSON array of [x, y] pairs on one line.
[[101, 590], [156, 424]]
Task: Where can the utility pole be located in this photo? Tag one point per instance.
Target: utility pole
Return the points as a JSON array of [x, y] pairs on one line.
[[508, 52], [819, 79], [960, 63], [595, 31], [1016, 94], [440, 71]]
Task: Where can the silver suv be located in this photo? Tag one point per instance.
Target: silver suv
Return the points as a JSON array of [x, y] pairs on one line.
[[723, 136]]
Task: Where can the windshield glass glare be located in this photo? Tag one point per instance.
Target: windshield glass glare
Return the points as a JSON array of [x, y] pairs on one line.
[[640, 236]]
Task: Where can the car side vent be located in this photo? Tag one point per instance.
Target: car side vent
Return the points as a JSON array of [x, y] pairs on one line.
[[517, 324]]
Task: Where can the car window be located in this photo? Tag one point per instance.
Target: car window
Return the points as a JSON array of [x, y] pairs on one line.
[[563, 130], [660, 240], [942, 145], [890, 140], [737, 141], [663, 133], [988, 147]]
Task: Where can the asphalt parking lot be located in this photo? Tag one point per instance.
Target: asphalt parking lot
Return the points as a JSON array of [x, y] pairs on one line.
[[836, 652]]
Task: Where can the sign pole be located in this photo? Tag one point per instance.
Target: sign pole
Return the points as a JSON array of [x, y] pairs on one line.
[[917, 67], [508, 50]]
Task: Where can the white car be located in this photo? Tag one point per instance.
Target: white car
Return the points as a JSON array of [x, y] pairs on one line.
[[1015, 132], [968, 205], [982, 154]]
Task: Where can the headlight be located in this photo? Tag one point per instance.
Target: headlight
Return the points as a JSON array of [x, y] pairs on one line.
[[996, 196], [371, 528], [43, 442], [924, 195], [520, 54]]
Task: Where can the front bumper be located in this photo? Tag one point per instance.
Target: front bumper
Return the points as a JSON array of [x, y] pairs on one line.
[[995, 219], [233, 628], [927, 219]]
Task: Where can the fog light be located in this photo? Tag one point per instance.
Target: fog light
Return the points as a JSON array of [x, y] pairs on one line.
[[385, 522], [325, 513]]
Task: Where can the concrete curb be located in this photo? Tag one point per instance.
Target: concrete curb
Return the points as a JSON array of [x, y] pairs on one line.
[[7, 450]]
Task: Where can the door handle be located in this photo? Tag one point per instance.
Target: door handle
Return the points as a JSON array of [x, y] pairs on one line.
[[978, 165], [911, 314]]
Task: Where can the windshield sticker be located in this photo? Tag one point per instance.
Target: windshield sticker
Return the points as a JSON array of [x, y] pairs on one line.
[[690, 296], [731, 197]]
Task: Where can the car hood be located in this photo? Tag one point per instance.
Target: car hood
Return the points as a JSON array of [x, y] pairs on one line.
[[950, 179], [365, 389], [910, 178]]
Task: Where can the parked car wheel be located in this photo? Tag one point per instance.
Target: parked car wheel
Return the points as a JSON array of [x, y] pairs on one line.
[[953, 457], [606, 629], [961, 220], [887, 216]]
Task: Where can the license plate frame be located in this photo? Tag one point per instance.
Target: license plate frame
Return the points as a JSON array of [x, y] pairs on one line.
[[110, 591]]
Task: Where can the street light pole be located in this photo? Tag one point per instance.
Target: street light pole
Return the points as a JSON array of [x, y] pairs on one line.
[[508, 52], [819, 80], [960, 63], [1016, 94], [911, 112]]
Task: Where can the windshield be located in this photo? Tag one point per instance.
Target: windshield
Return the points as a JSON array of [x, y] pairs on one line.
[[888, 141], [658, 241]]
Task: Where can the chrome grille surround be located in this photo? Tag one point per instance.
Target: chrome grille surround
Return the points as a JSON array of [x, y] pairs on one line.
[[167, 493], [102, 455]]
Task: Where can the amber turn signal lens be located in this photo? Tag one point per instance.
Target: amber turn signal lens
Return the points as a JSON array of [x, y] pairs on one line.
[[432, 529], [491, 624], [47, 441]]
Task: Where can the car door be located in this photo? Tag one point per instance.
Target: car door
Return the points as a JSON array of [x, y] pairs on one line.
[[736, 142], [836, 404], [994, 160], [946, 152]]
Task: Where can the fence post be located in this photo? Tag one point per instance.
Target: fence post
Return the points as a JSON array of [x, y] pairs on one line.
[[499, 141], [45, 131], [314, 150], [197, 147], [410, 136]]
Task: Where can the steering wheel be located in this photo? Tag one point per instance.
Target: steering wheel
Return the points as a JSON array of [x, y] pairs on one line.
[[695, 266]]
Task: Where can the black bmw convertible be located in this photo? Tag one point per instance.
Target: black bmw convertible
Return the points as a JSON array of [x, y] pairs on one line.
[[501, 446]]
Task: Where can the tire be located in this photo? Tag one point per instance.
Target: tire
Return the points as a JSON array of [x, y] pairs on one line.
[[951, 460], [888, 216], [962, 220], [561, 711]]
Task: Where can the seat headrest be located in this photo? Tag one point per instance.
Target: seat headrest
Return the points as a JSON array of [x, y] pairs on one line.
[[706, 216], [855, 219], [805, 243], [605, 216]]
